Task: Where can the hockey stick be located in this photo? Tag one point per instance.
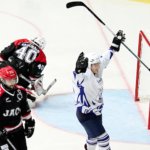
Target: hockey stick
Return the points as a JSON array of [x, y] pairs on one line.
[[44, 92], [51, 84], [10, 143], [79, 3]]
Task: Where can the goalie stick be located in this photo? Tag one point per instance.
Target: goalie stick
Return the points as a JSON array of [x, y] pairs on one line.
[[79, 3], [50, 85], [44, 91]]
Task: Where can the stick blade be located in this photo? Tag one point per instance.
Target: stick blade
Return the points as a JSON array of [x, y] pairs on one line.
[[50, 85], [75, 3]]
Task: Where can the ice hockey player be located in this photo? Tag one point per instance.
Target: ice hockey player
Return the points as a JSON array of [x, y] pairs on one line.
[[16, 122], [88, 88], [28, 59]]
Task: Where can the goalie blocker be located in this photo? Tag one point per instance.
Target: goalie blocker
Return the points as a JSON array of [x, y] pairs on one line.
[[38, 85]]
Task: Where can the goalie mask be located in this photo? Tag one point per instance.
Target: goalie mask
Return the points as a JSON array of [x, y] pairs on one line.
[[8, 76], [39, 42]]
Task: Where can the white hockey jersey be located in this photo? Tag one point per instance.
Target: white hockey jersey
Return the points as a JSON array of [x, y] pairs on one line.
[[88, 88]]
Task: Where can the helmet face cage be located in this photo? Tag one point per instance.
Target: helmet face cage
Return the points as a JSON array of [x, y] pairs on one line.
[[10, 83], [39, 41], [8, 76]]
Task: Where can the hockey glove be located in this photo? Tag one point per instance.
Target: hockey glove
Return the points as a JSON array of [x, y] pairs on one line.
[[31, 97], [97, 110], [120, 37], [81, 64], [38, 86], [29, 127], [85, 110], [3, 134]]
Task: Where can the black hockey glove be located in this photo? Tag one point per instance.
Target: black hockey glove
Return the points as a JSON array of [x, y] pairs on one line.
[[120, 37], [81, 64], [3, 134], [31, 97], [29, 127]]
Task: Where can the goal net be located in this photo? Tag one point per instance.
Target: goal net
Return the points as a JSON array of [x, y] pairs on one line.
[[142, 86]]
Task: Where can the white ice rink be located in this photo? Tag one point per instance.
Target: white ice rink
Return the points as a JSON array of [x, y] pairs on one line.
[[68, 32]]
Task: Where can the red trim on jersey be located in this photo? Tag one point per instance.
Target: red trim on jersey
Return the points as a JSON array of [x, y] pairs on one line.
[[11, 128], [24, 89], [18, 42], [41, 57], [27, 116], [1, 91]]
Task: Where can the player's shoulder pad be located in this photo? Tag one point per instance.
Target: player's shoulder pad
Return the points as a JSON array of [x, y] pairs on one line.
[[18, 42]]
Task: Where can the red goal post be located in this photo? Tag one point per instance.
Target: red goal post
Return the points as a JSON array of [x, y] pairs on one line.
[[142, 85]]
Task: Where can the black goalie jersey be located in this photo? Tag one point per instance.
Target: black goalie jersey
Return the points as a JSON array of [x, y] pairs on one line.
[[26, 58]]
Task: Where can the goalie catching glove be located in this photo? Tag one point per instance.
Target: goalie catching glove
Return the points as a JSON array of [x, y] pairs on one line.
[[120, 37]]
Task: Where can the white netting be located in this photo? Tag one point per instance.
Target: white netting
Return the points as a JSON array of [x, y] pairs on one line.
[[144, 76]]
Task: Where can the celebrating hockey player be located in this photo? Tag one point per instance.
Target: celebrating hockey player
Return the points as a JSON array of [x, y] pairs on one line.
[[28, 59], [15, 115], [88, 88]]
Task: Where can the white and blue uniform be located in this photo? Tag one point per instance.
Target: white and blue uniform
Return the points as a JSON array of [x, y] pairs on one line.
[[88, 89]]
